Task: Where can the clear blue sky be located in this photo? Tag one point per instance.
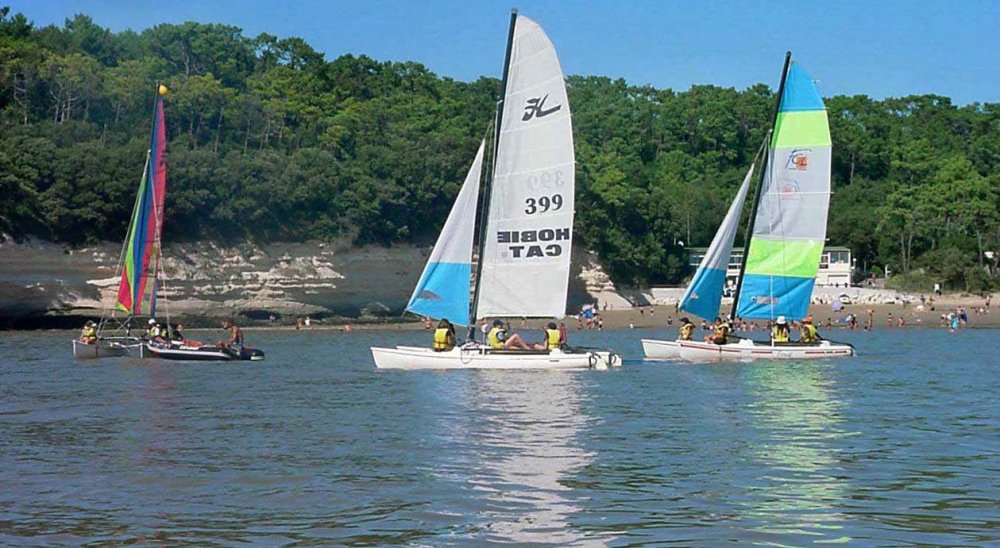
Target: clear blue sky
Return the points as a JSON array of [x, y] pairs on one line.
[[877, 47]]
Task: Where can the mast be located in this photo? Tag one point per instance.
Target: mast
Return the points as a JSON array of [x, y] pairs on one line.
[[484, 217], [760, 182]]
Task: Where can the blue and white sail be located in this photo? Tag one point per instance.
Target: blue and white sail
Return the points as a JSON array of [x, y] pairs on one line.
[[443, 289], [704, 295]]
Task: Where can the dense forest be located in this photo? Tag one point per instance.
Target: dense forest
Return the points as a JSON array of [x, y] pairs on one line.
[[269, 141]]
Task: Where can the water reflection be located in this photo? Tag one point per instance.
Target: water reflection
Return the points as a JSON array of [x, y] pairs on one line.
[[524, 442], [797, 418]]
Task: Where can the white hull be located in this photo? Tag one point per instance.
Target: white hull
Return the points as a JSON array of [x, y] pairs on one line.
[[108, 349], [661, 350], [411, 357], [747, 349]]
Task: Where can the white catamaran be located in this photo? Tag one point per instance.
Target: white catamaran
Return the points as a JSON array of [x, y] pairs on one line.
[[526, 229], [785, 237]]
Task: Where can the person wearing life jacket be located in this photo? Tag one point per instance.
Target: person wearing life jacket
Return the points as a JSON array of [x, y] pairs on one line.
[[553, 338], [808, 333], [779, 334], [498, 339], [444, 336], [721, 333], [687, 330], [89, 332], [155, 333]]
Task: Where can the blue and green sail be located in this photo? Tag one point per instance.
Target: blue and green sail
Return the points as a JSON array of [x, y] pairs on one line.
[[790, 226]]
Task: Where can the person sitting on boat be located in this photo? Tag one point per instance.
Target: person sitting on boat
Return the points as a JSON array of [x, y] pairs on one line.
[[721, 333], [235, 335], [553, 338], [175, 333], [808, 333], [444, 336], [498, 339], [89, 332], [687, 330], [155, 333], [780, 332]]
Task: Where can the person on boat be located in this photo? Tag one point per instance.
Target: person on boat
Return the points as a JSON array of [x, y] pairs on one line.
[[779, 334], [155, 332], [498, 339], [687, 330], [89, 332], [721, 333], [553, 338], [808, 334], [235, 335], [444, 336]]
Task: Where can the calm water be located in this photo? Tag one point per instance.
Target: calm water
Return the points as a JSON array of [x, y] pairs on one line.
[[312, 446]]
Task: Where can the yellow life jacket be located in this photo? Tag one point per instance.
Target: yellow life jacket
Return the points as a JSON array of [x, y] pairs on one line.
[[496, 337], [552, 337], [779, 335], [88, 332], [441, 339], [153, 332], [808, 333], [686, 331], [722, 330]]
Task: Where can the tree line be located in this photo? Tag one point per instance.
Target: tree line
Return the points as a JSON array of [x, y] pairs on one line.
[[269, 141]]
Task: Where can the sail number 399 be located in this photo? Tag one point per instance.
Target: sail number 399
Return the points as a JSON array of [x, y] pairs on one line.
[[543, 204]]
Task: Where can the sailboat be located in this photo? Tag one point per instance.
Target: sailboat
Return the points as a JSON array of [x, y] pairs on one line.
[[140, 258], [785, 237], [525, 227]]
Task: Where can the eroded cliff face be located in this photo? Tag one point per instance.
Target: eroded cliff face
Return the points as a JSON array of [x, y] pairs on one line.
[[40, 283], [49, 285]]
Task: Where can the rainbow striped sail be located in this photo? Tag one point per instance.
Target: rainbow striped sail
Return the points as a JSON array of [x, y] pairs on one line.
[[137, 290], [790, 226]]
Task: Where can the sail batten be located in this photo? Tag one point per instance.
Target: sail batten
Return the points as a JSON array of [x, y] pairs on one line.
[[790, 226], [528, 235], [137, 288]]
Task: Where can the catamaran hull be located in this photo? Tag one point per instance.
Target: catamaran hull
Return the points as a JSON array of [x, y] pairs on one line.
[[203, 353], [661, 350], [100, 349], [411, 357], [108, 349], [747, 350]]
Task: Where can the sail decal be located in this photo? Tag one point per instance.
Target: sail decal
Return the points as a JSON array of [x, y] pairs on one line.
[[137, 288], [443, 289], [704, 294], [790, 227], [529, 233]]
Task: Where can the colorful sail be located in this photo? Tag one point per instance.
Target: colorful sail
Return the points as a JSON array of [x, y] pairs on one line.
[[526, 256], [704, 294], [443, 289], [790, 226], [137, 289]]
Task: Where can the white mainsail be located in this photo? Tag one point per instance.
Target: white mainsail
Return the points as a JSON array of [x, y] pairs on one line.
[[528, 238]]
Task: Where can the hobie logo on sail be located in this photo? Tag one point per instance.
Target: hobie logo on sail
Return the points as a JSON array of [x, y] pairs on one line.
[[798, 160], [522, 244], [535, 108]]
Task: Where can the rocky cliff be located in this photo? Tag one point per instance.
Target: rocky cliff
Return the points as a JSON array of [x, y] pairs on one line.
[[48, 285]]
